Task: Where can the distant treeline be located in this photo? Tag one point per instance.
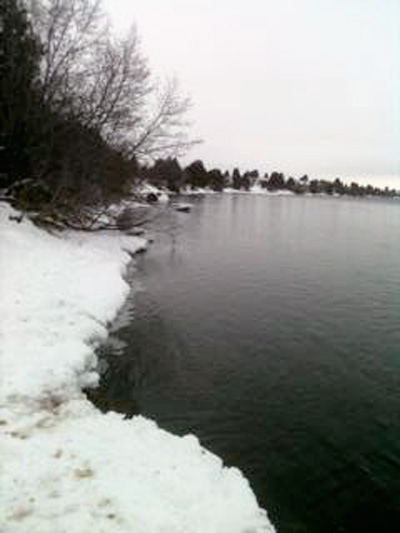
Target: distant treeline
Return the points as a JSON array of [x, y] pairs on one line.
[[167, 173]]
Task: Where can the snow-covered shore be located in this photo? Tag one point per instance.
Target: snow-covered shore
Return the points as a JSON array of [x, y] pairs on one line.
[[65, 467], [256, 189]]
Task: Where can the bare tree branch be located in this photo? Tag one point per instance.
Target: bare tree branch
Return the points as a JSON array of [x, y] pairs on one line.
[[103, 82]]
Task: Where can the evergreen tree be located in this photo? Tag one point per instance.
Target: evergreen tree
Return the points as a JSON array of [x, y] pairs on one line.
[[196, 174], [19, 90], [166, 173], [276, 181], [236, 179], [314, 186], [216, 180], [338, 186], [290, 184]]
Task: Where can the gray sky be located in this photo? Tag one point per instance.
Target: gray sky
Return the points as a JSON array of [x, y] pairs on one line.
[[301, 86]]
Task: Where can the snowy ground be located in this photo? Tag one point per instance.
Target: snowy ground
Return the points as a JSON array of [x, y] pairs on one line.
[[65, 467], [256, 189]]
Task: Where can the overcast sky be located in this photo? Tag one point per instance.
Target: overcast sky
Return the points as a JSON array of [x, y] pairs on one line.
[[301, 86]]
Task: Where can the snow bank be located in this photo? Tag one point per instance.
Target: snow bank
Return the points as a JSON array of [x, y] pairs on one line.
[[189, 191], [57, 296], [257, 189], [65, 467], [146, 188]]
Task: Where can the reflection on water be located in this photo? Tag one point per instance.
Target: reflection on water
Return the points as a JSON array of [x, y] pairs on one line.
[[270, 328]]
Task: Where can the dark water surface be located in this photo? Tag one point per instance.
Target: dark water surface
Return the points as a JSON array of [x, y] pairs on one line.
[[270, 327]]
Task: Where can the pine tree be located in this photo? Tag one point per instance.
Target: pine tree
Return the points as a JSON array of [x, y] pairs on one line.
[[19, 78]]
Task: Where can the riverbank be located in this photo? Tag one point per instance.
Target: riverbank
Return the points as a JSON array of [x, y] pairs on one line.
[[65, 466]]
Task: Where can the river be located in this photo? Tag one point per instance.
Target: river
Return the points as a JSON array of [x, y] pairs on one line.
[[270, 328]]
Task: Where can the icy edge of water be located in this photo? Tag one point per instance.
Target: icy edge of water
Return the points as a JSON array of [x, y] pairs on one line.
[[65, 466]]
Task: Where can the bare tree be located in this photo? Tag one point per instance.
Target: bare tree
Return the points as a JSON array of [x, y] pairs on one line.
[[104, 83], [70, 32], [163, 130]]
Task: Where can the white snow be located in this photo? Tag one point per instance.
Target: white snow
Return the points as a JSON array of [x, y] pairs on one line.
[[257, 189], [65, 467], [188, 191], [145, 189]]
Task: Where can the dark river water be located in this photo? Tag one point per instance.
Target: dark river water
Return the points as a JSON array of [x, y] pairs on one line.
[[270, 328]]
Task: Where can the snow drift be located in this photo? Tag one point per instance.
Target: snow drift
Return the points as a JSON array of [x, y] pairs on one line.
[[66, 467]]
